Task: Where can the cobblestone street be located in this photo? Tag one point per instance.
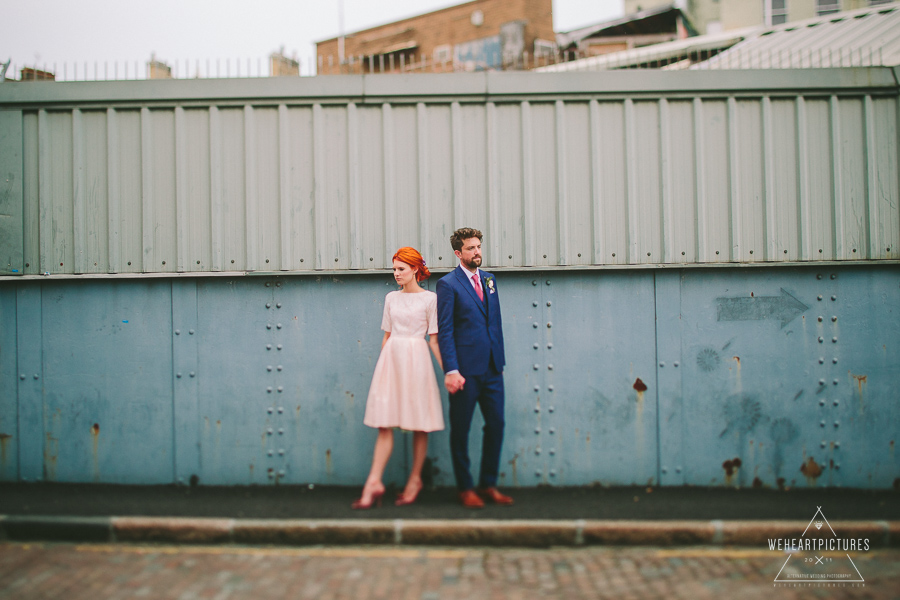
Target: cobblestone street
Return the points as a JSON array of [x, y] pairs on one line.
[[184, 572]]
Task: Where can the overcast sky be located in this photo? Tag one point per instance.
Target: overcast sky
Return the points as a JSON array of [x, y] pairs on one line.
[[48, 32]]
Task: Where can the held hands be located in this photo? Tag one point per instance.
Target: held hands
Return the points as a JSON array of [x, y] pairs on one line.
[[454, 382]]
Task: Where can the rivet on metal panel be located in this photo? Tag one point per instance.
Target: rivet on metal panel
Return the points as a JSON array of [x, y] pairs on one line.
[[178, 375], [534, 325], [278, 305], [510, 256], [548, 282], [281, 452], [819, 276], [271, 474], [613, 254], [280, 389], [835, 382], [268, 305], [833, 276], [552, 473], [676, 364], [537, 473], [267, 261], [269, 389], [662, 364], [821, 382], [819, 297], [834, 360], [22, 376], [177, 332], [278, 284], [834, 319], [552, 451], [834, 340], [268, 346], [537, 409], [821, 423], [837, 424], [821, 339], [534, 283], [269, 368], [678, 469], [833, 298], [281, 473], [534, 303], [550, 388], [191, 332], [192, 374], [270, 453], [549, 367], [664, 470], [537, 388], [545, 256], [279, 346], [268, 326], [270, 410], [837, 444], [280, 431], [549, 303], [536, 366], [821, 360], [280, 368], [278, 326], [549, 325], [537, 450], [537, 429], [837, 402], [268, 284], [551, 409], [280, 410], [550, 346], [837, 466], [822, 444], [535, 346], [36, 376], [822, 403], [819, 319], [270, 431], [552, 430]]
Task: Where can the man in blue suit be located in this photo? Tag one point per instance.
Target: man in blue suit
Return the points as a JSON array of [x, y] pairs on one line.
[[470, 335]]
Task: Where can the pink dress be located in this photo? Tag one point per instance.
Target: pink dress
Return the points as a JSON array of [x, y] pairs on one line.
[[404, 391]]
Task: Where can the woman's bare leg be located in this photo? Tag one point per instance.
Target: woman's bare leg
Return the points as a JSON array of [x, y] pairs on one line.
[[420, 451], [384, 445]]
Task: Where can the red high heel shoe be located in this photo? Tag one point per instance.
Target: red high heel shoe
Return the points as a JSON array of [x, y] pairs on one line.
[[402, 500], [360, 505]]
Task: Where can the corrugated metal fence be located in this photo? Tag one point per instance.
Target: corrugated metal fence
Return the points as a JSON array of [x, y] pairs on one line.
[[333, 173]]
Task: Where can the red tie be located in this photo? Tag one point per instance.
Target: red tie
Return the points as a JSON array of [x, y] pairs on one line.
[[478, 291]]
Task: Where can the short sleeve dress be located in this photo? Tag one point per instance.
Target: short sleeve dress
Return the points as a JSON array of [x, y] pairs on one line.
[[404, 391]]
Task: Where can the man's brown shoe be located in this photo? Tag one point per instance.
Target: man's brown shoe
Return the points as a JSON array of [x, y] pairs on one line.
[[492, 494], [470, 499]]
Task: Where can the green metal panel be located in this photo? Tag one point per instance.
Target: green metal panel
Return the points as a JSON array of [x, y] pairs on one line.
[[12, 233]]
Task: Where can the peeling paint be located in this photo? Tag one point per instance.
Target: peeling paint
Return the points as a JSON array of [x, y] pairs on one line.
[[95, 440], [732, 468], [811, 470]]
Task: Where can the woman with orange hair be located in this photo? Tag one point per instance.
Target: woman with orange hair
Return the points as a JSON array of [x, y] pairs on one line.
[[404, 391]]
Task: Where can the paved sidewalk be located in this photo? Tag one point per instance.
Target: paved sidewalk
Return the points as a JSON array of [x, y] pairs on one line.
[[89, 572]]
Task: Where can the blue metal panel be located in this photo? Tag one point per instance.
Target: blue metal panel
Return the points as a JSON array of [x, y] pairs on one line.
[[186, 388], [30, 374], [9, 436], [669, 335], [790, 377], [107, 387], [12, 232]]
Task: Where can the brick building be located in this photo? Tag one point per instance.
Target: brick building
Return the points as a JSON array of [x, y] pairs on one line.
[[483, 34]]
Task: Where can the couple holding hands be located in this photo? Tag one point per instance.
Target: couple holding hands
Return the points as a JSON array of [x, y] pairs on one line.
[[462, 322]]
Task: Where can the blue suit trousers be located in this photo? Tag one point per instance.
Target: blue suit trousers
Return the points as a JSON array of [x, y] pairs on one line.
[[487, 392]]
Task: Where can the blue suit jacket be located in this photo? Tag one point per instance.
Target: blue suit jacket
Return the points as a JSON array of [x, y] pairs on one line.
[[470, 332]]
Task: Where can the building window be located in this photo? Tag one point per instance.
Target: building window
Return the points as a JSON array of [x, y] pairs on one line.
[[826, 7], [443, 54], [775, 12]]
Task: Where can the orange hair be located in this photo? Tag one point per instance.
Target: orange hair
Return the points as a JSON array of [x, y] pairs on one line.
[[412, 257]]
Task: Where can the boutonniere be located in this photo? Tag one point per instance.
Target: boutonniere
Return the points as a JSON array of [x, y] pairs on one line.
[[490, 284]]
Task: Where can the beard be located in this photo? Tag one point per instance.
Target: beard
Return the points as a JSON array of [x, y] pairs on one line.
[[472, 264]]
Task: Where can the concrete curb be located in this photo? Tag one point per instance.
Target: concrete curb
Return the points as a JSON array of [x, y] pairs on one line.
[[412, 532]]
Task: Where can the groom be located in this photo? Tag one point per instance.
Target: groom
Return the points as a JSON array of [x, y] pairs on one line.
[[470, 336]]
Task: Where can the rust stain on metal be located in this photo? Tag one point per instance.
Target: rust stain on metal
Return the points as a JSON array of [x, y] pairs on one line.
[[811, 470], [95, 440], [4, 441], [51, 452], [639, 385], [731, 469], [737, 359], [515, 472], [757, 482], [328, 464], [780, 482]]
